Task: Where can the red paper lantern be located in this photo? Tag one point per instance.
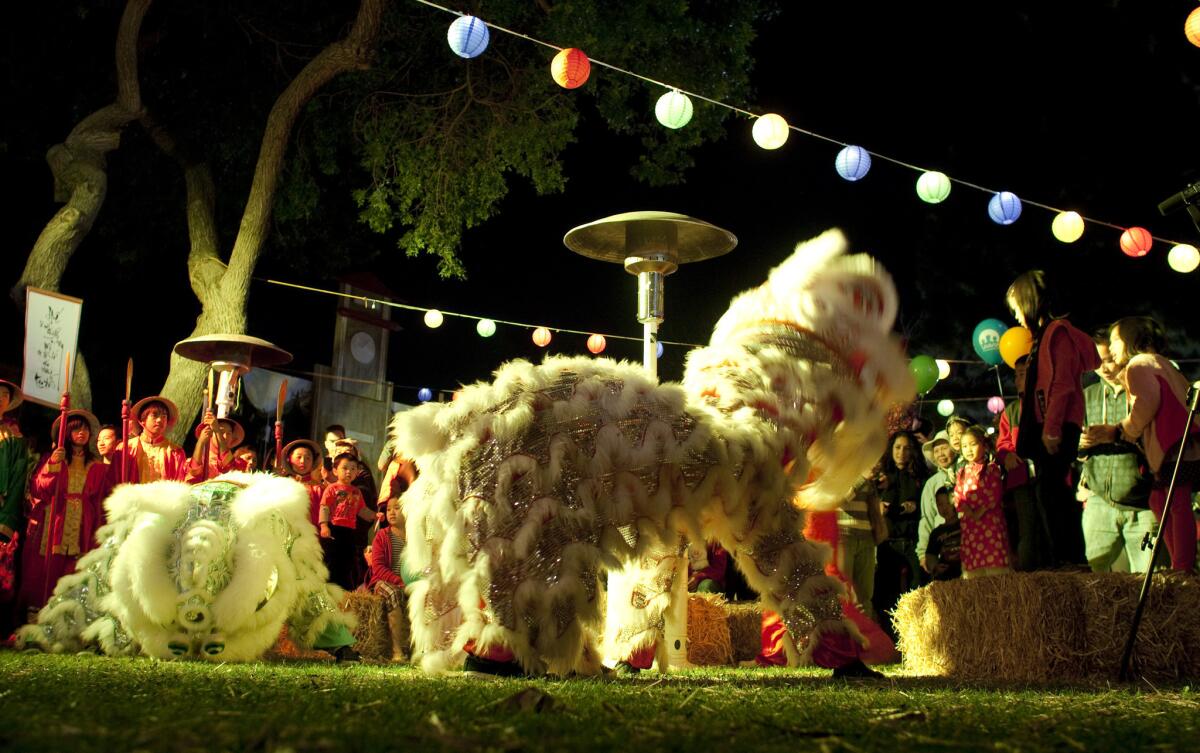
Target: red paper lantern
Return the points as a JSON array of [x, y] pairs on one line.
[[541, 337], [570, 68], [1136, 241], [596, 343]]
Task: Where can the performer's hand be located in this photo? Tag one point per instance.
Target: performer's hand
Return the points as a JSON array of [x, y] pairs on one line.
[[206, 434], [1051, 444], [1011, 462], [325, 532], [907, 507], [210, 419], [58, 455]]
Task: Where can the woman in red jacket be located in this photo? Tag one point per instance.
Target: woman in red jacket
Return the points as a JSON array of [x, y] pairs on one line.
[[67, 495], [1052, 409]]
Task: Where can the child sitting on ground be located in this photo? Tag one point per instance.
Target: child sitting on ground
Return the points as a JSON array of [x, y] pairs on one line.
[[388, 579], [978, 496], [342, 506], [943, 556]]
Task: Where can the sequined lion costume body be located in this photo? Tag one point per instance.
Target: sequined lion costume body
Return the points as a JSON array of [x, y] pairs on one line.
[[211, 571], [530, 487]]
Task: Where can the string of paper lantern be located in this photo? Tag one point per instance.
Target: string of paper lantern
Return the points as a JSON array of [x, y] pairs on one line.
[[926, 370], [570, 68]]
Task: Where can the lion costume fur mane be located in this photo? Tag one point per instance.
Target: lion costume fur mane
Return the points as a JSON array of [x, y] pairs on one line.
[[211, 571], [533, 485]]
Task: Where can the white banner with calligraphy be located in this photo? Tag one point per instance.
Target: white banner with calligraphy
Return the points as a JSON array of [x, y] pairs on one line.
[[51, 333]]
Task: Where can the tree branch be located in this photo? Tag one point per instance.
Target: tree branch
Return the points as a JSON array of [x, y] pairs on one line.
[[78, 166], [354, 52]]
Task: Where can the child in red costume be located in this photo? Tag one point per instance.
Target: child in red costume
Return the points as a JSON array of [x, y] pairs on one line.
[[979, 498], [219, 436], [67, 496], [342, 506], [150, 456], [388, 579], [301, 458]]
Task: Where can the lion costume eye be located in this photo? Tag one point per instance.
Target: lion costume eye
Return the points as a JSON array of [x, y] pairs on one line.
[[214, 648], [177, 649]]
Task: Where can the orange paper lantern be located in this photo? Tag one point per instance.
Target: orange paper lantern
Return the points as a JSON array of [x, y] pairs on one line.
[[1191, 27], [570, 68], [1136, 241], [596, 343], [541, 337]]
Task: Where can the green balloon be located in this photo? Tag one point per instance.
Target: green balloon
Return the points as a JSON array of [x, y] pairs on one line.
[[925, 371]]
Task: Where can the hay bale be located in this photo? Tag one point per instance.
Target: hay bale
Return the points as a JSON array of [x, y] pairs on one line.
[[372, 639], [745, 629], [708, 642], [1048, 626], [1170, 625]]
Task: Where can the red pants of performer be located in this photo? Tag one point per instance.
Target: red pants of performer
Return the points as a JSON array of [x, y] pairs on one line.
[[1180, 529], [495, 653]]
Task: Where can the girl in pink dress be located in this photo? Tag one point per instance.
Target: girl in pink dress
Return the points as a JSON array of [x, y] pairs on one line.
[[978, 496]]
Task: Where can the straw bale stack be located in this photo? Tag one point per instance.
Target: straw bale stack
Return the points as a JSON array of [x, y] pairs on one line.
[[708, 642], [1049, 626], [372, 639]]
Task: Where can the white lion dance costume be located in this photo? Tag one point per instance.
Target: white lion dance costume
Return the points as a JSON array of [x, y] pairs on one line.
[[211, 571], [533, 485]]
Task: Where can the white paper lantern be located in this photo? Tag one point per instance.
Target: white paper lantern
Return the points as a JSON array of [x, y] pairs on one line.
[[770, 131]]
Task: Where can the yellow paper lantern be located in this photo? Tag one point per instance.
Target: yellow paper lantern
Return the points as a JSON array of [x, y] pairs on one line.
[[1067, 226], [1183, 258], [485, 327], [1191, 27], [943, 368], [570, 68], [433, 318], [541, 337], [770, 131]]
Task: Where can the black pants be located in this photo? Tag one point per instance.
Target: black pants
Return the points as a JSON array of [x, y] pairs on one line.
[[1056, 498]]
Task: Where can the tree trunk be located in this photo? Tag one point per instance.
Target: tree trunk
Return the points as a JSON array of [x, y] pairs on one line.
[[223, 289]]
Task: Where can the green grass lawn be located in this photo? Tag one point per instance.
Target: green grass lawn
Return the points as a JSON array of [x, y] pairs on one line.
[[90, 703]]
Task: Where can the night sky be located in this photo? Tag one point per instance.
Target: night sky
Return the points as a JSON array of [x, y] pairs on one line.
[[1091, 106]]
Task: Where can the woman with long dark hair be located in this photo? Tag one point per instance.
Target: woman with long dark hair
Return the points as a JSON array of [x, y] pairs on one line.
[[67, 496], [900, 481], [1052, 410]]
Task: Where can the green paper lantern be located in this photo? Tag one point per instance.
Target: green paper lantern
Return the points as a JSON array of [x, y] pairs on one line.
[[673, 109], [933, 187]]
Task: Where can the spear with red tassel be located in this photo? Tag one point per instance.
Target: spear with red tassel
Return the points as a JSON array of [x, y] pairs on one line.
[[279, 464], [125, 421]]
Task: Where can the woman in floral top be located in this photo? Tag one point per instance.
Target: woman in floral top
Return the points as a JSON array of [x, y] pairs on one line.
[[978, 496]]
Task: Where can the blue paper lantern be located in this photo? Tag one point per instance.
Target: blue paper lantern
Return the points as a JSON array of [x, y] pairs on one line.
[[986, 341], [424, 394], [853, 162], [1004, 208], [468, 36], [660, 350]]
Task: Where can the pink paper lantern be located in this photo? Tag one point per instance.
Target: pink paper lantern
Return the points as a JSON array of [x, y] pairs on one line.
[[541, 337], [995, 404], [596, 343]]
